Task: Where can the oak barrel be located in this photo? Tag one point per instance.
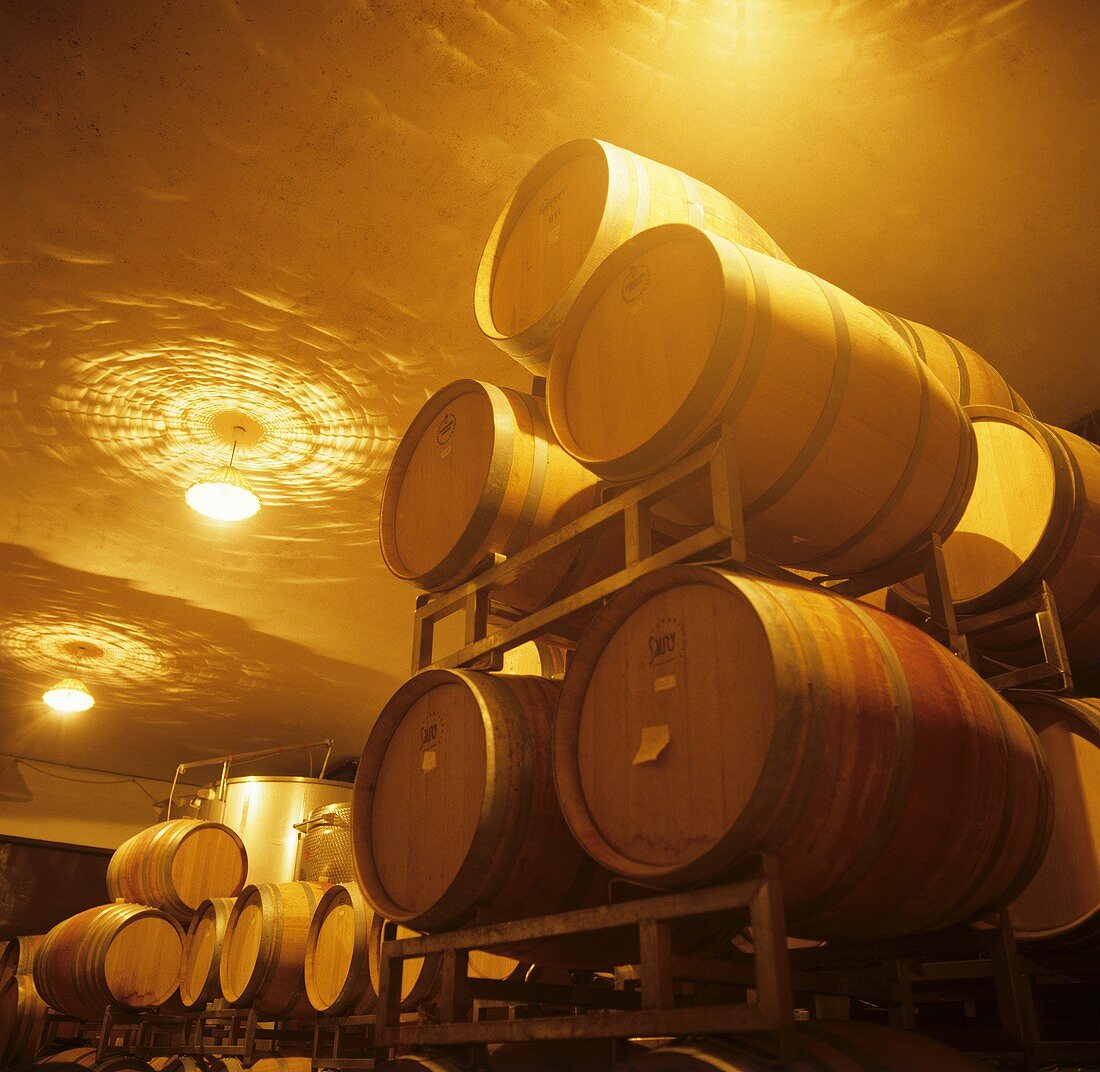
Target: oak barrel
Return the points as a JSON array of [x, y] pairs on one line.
[[1060, 908], [183, 1062], [337, 972], [263, 1064], [962, 370], [86, 1057], [22, 1015], [427, 1061], [555, 1055], [1034, 514], [454, 813], [478, 473], [680, 331], [264, 950], [122, 955], [202, 951], [421, 977], [825, 1046], [178, 864], [574, 207], [18, 955], [539, 657], [707, 715]]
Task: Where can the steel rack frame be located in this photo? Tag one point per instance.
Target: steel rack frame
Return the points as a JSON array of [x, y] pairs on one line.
[[146, 1032], [650, 545], [341, 1042], [652, 1010], [647, 545], [51, 1038], [239, 1032]]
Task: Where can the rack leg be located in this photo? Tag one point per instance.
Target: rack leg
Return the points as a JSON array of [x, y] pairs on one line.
[[774, 994], [904, 1014], [656, 948], [1014, 997], [455, 1004], [942, 606]]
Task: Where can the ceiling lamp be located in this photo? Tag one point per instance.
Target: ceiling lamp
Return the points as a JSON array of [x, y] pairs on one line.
[[69, 695], [224, 494]]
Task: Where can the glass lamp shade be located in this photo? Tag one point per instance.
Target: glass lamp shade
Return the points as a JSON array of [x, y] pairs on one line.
[[70, 694], [224, 495]]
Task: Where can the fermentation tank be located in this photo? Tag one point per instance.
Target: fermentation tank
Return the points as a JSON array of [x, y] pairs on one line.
[[324, 851], [264, 811]]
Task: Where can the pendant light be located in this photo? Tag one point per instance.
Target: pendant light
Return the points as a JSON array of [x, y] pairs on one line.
[[70, 694], [224, 494]]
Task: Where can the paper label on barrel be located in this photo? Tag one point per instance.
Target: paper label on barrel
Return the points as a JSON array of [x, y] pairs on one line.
[[663, 684], [427, 761], [654, 742]]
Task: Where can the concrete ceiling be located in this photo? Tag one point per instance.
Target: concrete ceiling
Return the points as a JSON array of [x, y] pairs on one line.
[[279, 209]]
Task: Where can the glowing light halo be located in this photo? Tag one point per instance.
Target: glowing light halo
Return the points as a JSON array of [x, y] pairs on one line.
[[223, 495], [69, 696]]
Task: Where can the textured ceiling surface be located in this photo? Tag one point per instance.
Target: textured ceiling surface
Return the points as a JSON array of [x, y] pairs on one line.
[[278, 209]]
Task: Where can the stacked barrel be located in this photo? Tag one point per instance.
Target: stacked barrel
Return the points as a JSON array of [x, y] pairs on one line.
[[126, 954], [708, 714], [22, 1010]]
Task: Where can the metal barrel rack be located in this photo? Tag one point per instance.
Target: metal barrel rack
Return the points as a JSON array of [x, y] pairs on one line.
[[649, 544], [647, 1008]]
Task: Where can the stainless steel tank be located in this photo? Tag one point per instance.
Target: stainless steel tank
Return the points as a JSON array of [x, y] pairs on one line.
[[324, 851], [264, 811]]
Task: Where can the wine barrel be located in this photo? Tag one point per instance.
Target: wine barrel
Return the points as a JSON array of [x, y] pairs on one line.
[[22, 1015], [85, 1056], [121, 955], [263, 1064], [572, 1055], [477, 473], [679, 331], [421, 977], [264, 950], [971, 379], [538, 657], [18, 955], [337, 973], [575, 206], [467, 754], [183, 1062], [707, 715], [1034, 515], [825, 1046], [202, 951], [178, 864], [428, 1061], [1060, 909]]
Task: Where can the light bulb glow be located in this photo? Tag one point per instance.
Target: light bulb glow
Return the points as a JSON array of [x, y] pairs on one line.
[[69, 695], [224, 495]]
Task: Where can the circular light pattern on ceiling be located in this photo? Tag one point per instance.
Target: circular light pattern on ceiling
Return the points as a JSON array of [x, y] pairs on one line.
[[147, 388], [158, 412], [113, 652]]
